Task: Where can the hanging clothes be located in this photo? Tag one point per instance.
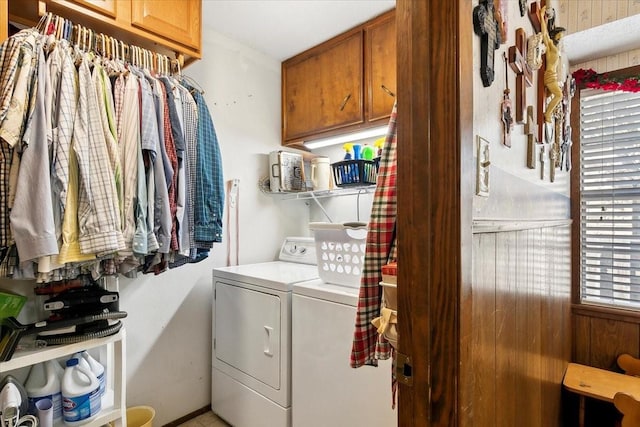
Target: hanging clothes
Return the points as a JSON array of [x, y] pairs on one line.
[[368, 346], [105, 167], [34, 228]]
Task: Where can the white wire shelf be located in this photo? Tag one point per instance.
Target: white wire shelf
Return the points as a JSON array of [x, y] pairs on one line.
[[320, 194]]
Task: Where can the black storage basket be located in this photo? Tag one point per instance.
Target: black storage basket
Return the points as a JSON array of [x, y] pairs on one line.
[[355, 172]]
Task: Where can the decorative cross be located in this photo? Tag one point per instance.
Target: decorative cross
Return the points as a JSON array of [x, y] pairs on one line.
[[555, 150], [519, 65], [485, 26], [523, 7], [530, 130], [506, 116], [501, 12], [534, 15], [542, 157], [569, 91]]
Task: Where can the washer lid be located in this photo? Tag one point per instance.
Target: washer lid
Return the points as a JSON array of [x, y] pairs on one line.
[[274, 275], [328, 291]]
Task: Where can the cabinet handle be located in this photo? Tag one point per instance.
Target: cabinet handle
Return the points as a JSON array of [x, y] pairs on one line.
[[344, 102], [386, 89]]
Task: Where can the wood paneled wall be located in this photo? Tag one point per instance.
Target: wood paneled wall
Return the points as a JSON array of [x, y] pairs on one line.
[[581, 15], [519, 342], [584, 14]]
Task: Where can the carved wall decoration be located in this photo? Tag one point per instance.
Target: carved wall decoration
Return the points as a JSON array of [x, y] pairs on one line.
[[486, 26]]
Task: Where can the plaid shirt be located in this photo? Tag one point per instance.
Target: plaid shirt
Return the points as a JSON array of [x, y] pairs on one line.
[[34, 229], [173, 159], [98, 214], [9, 54], [209, 202], [368, 347], [190, 111]]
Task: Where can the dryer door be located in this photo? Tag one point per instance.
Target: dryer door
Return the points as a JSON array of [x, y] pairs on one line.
[[247, 332]]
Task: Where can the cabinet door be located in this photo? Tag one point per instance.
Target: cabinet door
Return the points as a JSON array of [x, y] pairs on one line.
[[105, 7], [177, 20], [380, 67], [322, 89]]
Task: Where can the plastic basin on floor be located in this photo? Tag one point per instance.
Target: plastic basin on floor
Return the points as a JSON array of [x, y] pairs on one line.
[[140, 416]]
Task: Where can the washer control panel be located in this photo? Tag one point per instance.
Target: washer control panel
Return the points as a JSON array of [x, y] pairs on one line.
[[298, 249]]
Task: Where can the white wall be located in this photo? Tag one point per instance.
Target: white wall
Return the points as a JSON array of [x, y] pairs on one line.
[[515, 190], [169, 321]]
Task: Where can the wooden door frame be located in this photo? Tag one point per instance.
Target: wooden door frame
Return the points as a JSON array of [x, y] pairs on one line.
[[435, 196]]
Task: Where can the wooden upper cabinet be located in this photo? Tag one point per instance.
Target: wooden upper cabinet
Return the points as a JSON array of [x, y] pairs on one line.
[[380, 67], [105, 7], [323, 88], [345, 84], [177, 20], [170, 27]]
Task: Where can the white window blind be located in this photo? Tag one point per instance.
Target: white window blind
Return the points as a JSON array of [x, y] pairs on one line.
[[610, 197]]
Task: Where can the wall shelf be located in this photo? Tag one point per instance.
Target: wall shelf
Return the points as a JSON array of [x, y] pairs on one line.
[[321, 194]]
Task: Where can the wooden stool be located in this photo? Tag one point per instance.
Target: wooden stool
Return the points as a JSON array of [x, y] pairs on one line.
[[629, 407], [629, 364]]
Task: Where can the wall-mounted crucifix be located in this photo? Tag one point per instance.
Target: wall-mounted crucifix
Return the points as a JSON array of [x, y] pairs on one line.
[[524, 79], [485, 26], [534, 17]]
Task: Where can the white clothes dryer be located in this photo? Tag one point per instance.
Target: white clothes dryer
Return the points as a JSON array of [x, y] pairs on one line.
[[328, 391], [251, 372]]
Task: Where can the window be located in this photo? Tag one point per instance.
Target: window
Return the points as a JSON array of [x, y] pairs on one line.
[[609, 182]]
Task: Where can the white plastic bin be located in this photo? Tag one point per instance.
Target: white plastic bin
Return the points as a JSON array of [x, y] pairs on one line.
[[340, 251]]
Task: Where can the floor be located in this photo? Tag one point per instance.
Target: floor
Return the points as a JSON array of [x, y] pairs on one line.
[[208, 419]]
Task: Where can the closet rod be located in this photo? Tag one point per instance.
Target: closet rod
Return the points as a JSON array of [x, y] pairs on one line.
[[88, 40]]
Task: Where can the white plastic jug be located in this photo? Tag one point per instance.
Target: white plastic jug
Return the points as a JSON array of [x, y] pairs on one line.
[[92, 364], [320, 173], [43, 382], [81, 400]]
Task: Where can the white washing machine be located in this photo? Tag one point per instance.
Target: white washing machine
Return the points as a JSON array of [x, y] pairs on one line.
[[328, 391], [251, 372]]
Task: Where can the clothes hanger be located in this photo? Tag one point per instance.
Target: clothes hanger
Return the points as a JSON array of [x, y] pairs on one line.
[[194, 84], [43, 24]]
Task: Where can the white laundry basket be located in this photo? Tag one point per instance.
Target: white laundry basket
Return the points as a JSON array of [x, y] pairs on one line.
[[340, 250]]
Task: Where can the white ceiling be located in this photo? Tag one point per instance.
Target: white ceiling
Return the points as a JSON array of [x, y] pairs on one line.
[[284, 28]]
